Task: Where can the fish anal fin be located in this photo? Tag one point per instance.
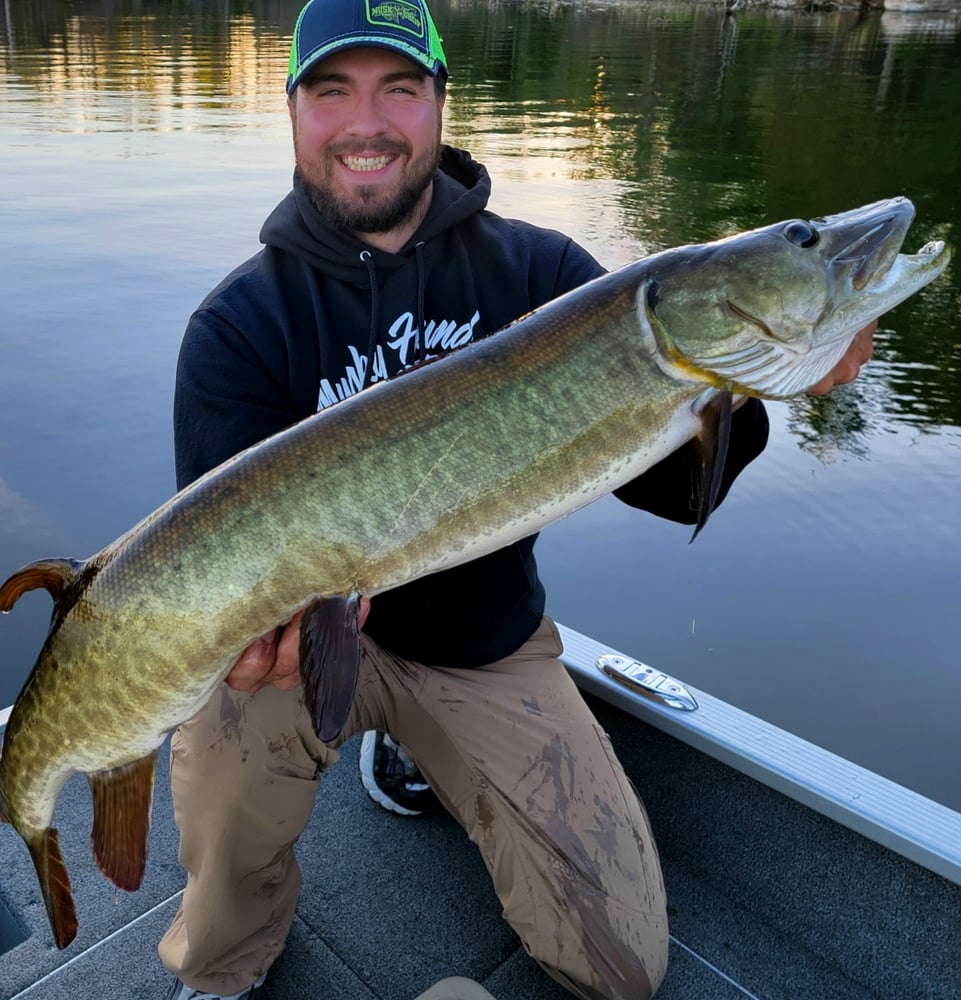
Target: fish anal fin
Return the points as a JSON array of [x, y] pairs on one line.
[[55, 885], [122, 798], [713, 442], [329, 661], [50, 574]]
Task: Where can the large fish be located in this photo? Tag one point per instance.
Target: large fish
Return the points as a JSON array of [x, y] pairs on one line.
[[451, 461]]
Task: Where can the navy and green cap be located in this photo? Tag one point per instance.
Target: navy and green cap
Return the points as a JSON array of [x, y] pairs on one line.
[[328, 26]]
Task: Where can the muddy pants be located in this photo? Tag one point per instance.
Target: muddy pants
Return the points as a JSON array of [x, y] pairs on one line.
[[512, 752]]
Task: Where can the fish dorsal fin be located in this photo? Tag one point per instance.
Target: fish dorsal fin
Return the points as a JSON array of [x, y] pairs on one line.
[[53, 575], [329, 660], [713, 442], [55, 885], [121, 819]]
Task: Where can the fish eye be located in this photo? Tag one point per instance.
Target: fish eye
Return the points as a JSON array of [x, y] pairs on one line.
[[801, 234]]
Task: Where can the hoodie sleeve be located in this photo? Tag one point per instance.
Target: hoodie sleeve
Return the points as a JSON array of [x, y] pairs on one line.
[[227, 397], [671, 488], [576, 268]]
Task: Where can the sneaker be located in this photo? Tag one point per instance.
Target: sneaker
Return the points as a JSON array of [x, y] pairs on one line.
[[181, 992], [391, 777]]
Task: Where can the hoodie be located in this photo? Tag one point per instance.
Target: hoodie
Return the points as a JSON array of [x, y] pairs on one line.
[[318, 315]]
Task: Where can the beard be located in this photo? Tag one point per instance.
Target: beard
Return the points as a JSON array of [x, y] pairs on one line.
[[368, 208]]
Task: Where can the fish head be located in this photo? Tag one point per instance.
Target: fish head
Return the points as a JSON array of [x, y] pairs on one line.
[[771, 311]]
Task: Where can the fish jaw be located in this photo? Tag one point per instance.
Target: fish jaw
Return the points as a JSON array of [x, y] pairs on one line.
[[769, 313]]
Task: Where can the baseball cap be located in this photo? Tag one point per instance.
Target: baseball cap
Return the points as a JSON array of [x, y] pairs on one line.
[[328, 26]]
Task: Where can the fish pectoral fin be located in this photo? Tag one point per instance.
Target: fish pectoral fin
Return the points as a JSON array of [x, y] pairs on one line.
[[329, 661], [713, 442], [122, 798], [54, 884], [51, 574]]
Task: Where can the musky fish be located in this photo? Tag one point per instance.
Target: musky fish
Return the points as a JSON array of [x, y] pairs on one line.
[[439, 466]]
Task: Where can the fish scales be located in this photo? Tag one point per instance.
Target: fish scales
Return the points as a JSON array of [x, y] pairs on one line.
[[314, 513]]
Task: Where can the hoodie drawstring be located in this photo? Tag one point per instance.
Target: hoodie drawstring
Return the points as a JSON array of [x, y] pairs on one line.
[[421, 332], [368, 259], [421, 347]]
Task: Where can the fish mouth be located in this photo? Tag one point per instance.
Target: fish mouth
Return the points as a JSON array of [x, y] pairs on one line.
[[861, 249], [862, 245], [776, 368], [910, 272]]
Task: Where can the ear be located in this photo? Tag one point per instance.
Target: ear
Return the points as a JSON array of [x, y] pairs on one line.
[[292, 107]]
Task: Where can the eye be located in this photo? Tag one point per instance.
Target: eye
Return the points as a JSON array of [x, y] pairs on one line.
[[800, 234]]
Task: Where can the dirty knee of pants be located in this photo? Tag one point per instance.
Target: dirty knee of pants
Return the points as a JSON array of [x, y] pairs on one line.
[[617, 954]]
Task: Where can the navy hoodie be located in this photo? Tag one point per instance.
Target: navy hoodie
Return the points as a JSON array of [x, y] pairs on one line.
[[317, 315]]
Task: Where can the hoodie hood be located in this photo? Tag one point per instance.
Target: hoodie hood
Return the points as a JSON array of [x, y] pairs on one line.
[[462, 187]]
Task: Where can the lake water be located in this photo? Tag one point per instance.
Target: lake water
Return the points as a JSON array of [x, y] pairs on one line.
[[141, 146]]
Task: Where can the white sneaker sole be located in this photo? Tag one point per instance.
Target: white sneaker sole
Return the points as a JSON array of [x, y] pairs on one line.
[[367, 747]]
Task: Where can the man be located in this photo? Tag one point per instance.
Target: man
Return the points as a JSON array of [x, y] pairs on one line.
[[384, 254]]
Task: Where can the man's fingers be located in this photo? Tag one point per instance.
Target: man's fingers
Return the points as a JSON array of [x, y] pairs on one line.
[[285, 682], [849, 367], [275, 657], [255, 663]]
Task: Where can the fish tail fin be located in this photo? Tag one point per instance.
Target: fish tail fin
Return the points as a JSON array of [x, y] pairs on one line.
[[55, 885], [121, 819], [51, 574]]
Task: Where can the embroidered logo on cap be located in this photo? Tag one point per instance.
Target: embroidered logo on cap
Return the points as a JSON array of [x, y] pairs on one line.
[[397, 14]]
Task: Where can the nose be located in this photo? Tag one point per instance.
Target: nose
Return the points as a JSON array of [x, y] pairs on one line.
[[367, 117]]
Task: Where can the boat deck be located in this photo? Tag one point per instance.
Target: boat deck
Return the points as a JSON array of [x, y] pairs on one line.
[[768, 899]]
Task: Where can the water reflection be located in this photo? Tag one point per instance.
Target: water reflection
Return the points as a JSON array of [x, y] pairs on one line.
[[97, 68], [142, 144]]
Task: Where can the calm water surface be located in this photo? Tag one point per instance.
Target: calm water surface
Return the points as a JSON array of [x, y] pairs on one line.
[[141, 146]]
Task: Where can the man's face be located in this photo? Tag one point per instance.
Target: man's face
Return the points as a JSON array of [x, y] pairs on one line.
[[367, 126]]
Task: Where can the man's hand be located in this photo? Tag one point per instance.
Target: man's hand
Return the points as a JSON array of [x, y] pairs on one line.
[[846, 370], [274, 659]]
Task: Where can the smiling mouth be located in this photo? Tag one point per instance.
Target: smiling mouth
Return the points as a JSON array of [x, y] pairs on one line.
[[366, 164]]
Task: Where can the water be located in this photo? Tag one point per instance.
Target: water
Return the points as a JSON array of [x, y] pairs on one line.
[[142, 146]]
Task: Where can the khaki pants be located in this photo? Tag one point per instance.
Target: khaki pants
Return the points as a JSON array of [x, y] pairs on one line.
[[511, 750]]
